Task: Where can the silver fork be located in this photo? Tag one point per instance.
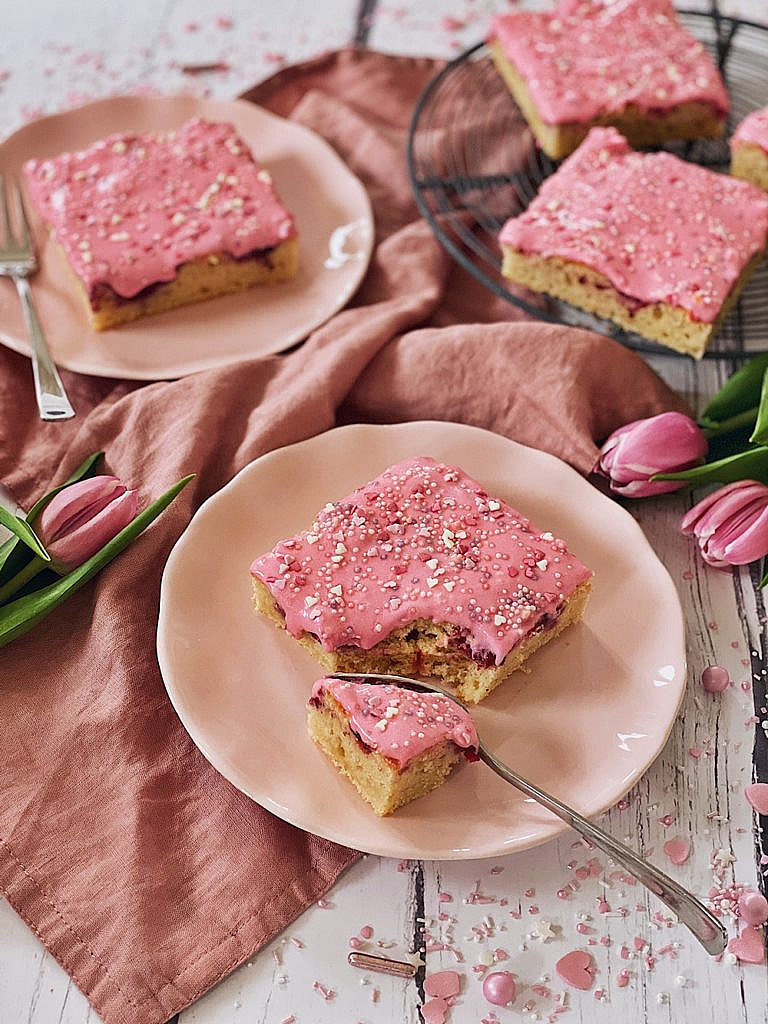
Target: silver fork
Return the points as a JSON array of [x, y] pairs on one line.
[[691, 912], [19, 262]]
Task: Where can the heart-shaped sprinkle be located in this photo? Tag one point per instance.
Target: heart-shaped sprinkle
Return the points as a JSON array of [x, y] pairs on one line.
[[577, 969], [749, 946], [434, 1011], [757, 795], [443, 985], [678, 850]]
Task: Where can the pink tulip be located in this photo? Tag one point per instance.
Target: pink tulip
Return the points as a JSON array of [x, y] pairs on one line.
[[667, 443], [731, 524], [82, 518]]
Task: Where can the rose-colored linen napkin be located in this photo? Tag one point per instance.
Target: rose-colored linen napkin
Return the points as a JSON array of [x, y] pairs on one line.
[[144, 872]]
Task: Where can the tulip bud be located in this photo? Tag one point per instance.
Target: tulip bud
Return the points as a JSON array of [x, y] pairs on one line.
[[79, 520], [731, 524], [667, 443]]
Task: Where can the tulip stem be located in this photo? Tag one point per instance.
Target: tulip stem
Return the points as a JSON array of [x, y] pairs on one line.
[[30, 570], [741, 419]]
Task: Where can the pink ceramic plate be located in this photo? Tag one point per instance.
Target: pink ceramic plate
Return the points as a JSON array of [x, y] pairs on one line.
[[335, 228], [587, 721]]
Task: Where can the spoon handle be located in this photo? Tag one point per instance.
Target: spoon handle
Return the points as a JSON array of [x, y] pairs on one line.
[[700, 921]]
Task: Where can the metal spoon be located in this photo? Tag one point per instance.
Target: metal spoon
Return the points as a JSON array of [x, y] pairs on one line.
[[690, 911]]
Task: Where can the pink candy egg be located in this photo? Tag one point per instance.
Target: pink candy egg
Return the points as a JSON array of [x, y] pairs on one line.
[[715, 679], [499, 988], [753, 907]]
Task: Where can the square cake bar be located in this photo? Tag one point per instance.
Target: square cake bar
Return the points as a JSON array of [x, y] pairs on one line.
[[422, 572], [658, 245], [749, 149], [151, 221], [630, 64]]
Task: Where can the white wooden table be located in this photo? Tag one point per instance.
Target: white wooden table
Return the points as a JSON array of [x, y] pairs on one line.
[[57, 54]]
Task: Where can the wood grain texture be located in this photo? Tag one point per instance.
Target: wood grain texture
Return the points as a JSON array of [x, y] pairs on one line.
[[58, 54]]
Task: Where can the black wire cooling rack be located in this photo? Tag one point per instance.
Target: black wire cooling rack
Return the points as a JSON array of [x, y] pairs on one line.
[[473, 164]]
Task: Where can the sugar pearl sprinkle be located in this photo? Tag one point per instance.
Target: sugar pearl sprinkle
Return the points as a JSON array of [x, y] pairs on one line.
[[177, 196], [422, 540]]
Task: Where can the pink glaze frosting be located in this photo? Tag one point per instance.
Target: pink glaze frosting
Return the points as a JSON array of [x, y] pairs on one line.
[[753, 129], [659, 228], [587, 58], [131, 208], [399, 723], [422, 540]]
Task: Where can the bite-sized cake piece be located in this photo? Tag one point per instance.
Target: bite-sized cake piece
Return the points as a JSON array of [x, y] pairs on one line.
[[749, 149], [422, 572], [151, 221], [626, 63], [393, 744], [658, 245]]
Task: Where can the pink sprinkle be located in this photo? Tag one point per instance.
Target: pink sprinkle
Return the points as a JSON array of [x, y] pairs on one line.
[[583, 929], [375, 993], [529, 893], [695, 751], [687, 575], [624, 954], [500, 954], [444, 897], [623, 979], [191, 26], [355, 943], [623, 804], [402, 866], [757, 796], [434, 1011], [666, 821], [678, 850], [541, 990], [224, 22], [366, 931], [602, 906], [715, 679], [639, 943], [274, 58], [605, 940], [563, 894], [288, 1020], [650, 962], [599, 993], [323, 904], [533, 909], [326, 993], [582, 873], [452, 24], [443, 985]]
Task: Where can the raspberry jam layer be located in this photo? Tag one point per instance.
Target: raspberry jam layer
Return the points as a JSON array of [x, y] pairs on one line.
[[587, 58], [659, 228], [422, 540], [754, 129], [132, 208], [398, 723]]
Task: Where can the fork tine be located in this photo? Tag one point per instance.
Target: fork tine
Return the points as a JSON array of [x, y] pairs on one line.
[[21, 218], [7, 235]]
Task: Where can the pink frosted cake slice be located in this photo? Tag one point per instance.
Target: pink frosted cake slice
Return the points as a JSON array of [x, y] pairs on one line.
[[658, 245], [630, 64], [749, 149], [422, 572], [152, 221], [393, 744]]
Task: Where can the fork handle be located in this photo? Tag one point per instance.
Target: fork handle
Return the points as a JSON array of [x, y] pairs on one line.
[[52, 400], [691, 911]]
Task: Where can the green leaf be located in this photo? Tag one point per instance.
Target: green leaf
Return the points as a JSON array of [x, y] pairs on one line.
[[749, 465], [760, 433], [740, 392], [764, 581], [21, 615], [13, 554], [21, 528]]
